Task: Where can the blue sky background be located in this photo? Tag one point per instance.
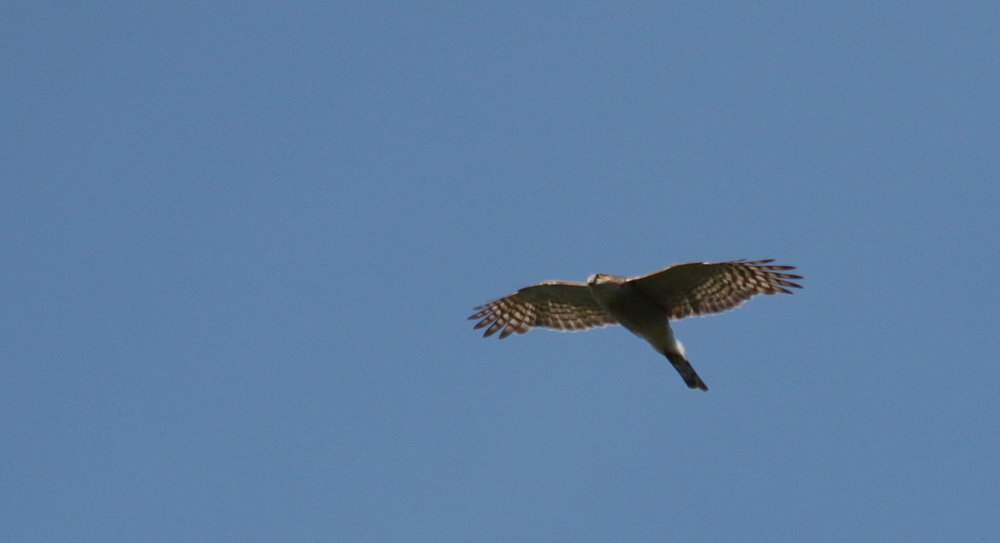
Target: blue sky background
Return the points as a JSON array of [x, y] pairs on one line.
[[240, 241]]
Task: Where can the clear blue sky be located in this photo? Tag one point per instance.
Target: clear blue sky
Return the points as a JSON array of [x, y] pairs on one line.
[[239, 243]]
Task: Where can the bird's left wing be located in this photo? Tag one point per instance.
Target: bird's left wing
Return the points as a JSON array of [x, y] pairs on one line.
[[561, 305], [702, 288]]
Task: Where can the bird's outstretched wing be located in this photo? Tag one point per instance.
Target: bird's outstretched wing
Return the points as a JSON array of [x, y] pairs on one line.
[[702, 288], [561, 305]]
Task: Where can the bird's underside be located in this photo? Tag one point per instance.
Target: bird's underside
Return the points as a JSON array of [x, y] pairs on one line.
[[644, 305]]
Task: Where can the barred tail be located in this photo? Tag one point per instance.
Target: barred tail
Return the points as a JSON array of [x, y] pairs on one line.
[[684, 368]]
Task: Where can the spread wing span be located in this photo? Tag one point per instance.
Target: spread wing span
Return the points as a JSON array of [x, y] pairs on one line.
[[560, 305]]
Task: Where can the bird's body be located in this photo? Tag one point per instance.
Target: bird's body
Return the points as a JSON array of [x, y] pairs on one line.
[[643, 317], [644, 305]]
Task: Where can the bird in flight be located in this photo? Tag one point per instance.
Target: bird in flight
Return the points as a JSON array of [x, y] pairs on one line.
[[644, 305]]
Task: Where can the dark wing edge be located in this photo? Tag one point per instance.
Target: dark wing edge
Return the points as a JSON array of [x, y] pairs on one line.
[[559, 305], [703, 288], [774, 280]]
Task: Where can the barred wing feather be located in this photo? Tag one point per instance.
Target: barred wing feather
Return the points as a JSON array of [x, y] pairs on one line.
[[560, 305]]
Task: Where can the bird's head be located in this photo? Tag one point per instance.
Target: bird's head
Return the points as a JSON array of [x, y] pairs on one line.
[[605, 278]]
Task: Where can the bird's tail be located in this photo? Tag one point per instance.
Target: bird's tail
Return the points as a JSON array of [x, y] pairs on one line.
[[684, 368]]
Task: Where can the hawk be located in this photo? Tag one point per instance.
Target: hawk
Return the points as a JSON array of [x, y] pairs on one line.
[[644, 305]]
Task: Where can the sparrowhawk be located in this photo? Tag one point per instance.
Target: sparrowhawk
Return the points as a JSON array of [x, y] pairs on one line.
[[644, 305]]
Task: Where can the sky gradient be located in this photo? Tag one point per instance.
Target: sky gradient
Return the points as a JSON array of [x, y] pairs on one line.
[[240, 242]]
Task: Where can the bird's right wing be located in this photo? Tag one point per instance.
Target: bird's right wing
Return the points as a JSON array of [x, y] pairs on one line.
[[560, 305], [702, 288]]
